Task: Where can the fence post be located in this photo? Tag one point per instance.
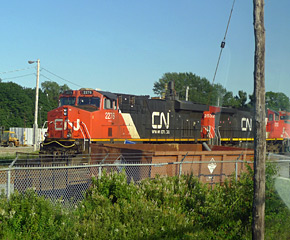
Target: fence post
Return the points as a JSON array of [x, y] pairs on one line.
[[9, 177], [236, 169], [236, 165], [100, 172], [180, 165], [8, 183]]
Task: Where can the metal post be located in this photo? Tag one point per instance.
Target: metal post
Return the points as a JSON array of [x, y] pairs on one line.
[[8, 183], [180, 165], [35, 126], [100, 172], [236, 169], [9, 176], [236, 165]]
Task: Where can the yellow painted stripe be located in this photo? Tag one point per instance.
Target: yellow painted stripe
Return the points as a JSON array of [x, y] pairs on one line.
[[164, 139], [150, 139], [275, 139], [237, 139]]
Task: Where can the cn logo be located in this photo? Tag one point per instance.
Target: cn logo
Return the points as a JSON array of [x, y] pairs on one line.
[[158, 119], [59, 125], [75, 128], [246, 124]]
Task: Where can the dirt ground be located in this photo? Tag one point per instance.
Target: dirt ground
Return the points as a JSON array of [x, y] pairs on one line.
[[13, 150]]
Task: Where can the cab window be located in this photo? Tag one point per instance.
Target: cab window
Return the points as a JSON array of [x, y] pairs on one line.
[[110, 104], [270, 117], [67, 101], [107, 103], [285, 117], [94, 101]]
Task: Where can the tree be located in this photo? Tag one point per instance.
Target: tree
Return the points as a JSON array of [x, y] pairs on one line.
[[277, 101], [17, 104], [200, 89], [52, 91], [14, 105], [241, 99]]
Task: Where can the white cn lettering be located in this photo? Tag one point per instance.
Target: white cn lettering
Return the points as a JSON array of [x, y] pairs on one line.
[[58, 122], [75, 128], [66, 124], [246, 124], [162, 119]]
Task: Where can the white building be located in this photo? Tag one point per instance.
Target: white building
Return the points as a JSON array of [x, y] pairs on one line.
[[25, 135]]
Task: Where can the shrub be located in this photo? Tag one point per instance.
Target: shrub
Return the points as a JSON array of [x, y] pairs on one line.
[[162, 208]]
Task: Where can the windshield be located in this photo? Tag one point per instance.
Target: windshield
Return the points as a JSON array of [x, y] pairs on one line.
[[94, 101], [67, 101], [285, 117]]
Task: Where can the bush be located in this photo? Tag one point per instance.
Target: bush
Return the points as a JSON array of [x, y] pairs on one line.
[[28, 216], [160, 208]]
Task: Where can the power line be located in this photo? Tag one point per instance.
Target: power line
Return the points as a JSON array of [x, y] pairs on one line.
[[60, 77], [17, 76], [46, 77], [16, 70], [223, 43]]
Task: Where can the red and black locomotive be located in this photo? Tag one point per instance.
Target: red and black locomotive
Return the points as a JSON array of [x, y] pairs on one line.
[[86, 116]]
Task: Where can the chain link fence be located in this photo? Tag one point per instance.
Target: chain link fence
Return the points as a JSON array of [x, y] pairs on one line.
[[68, 177]]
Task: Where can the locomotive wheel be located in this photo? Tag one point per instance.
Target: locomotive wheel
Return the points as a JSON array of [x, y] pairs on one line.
[[11, 144]]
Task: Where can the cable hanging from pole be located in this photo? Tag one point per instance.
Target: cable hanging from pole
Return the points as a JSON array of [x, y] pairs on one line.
[[223, 43], [59, 77]]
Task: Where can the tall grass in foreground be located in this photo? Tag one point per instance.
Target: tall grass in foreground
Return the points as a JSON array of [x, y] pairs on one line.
[[160, 208]]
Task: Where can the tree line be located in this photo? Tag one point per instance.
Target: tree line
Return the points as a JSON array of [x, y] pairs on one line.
[[17, 103], [204, 92]]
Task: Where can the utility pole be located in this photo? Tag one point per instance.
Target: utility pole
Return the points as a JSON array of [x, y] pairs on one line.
[[35, 125], [258, 226]]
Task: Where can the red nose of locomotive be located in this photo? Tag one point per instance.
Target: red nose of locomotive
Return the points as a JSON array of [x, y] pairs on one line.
[[58, 124]]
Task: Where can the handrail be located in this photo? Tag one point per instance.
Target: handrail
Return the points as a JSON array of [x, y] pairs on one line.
[[87, 130]]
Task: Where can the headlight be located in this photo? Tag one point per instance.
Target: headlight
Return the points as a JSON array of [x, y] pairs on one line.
[[46, 134], [68, 135], [65, 112]]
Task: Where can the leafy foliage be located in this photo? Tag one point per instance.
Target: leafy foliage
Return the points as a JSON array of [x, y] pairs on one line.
[[160, 208], [17, 104], [202, 91], [52, 91], [277, 101]]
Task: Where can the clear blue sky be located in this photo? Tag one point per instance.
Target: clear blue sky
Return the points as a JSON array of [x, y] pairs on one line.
[[125, 46]]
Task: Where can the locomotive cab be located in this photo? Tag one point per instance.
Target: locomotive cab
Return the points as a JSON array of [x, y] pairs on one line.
[[278, 124], [82, 115]]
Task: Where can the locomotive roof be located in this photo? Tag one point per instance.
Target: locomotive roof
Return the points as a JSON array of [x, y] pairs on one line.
[[109, 95], [186, 105]]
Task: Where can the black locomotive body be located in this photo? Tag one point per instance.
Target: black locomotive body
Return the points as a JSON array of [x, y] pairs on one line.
[[114, 117], [173, 120]]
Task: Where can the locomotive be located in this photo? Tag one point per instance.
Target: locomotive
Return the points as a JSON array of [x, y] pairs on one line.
[[87, 116]]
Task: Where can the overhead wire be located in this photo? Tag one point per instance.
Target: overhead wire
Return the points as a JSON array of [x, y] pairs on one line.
[[46, 77], [42, 68], [223, 43], [16, 70], [60, 77], [17, 76]]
